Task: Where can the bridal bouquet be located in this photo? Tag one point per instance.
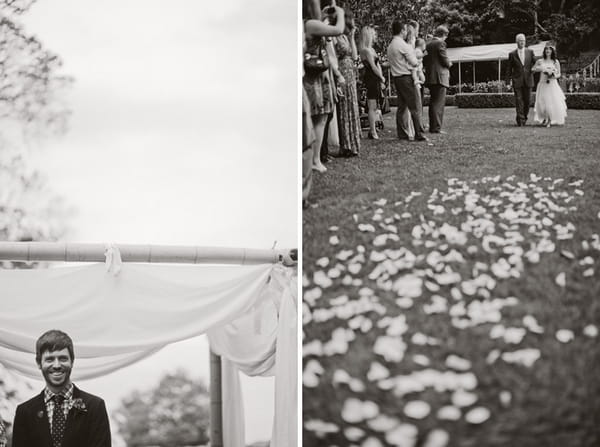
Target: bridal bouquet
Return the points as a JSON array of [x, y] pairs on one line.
[[550, 74]]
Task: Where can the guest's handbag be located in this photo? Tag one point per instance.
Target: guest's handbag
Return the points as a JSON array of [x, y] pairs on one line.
[[317, 63]]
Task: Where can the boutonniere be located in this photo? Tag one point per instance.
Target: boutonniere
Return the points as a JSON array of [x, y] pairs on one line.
[[79, 405]]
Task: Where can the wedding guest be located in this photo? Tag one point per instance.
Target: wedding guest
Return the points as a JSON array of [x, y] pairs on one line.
[[419, 74], [331, 132], [402, 59], [520, 75], [308, 140], [62, 415], [373, 77], [348, 111], [318, 83], [437, 77]]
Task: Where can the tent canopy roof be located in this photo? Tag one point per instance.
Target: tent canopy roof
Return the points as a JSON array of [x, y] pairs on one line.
[[490, 52]]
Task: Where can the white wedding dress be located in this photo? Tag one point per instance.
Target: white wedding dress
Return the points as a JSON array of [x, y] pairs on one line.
[[550, 104]]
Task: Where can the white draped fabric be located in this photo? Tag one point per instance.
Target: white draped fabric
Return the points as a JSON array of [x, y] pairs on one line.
[[121, 315]]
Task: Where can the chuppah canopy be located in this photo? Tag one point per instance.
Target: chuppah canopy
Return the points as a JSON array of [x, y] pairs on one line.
[[118, 313]]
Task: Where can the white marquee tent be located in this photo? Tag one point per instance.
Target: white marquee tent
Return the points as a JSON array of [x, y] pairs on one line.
[[485, 53]]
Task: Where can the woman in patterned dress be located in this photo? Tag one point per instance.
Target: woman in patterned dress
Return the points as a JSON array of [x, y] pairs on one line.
[[318, 86], [348, 112]]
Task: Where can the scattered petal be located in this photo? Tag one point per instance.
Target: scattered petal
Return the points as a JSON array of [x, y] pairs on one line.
[[404, 435], [505, 398], [458, 363], [417, 409], [565, 335], [477, 415], [437, 438], [590, 331], [462, 398], [449, 413]]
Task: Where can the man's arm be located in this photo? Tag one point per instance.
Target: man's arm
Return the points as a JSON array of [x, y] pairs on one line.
[[20, 435], [99, 427], [444, 60], [409, 53]]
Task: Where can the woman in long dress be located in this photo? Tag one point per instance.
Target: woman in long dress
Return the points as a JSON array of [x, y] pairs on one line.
[[348, 114], [550, 104]]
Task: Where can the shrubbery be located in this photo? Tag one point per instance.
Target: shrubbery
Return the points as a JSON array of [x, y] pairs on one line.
[[481, 87], [580, 85], [499, 100]]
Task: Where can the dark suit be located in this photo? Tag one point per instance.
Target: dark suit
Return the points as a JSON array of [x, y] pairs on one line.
[[522, 81], [437, 78], [88, 428]]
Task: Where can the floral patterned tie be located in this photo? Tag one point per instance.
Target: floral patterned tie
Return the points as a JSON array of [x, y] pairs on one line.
[[58, 420]]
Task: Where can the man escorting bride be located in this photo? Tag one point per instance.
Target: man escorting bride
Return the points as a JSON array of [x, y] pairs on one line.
[[550, 106]]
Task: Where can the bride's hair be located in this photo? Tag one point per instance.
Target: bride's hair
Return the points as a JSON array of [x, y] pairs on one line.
[[552, 52]]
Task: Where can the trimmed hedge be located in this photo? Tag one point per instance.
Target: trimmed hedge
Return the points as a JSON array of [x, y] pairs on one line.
[[449, 100], [500, 100]]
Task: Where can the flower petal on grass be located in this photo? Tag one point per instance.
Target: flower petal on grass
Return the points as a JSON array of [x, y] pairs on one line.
[[449, 413], [477, 415], [417, 409], [590, 331], [437, 438], [565, 335]]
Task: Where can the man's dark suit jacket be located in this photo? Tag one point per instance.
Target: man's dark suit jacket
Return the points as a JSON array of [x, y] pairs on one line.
[[520, 74], [88, 428], [437, 64]]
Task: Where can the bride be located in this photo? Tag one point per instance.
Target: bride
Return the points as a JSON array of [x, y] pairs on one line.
[[550, 105]]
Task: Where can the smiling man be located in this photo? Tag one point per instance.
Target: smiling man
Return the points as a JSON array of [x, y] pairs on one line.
[[61, 415]]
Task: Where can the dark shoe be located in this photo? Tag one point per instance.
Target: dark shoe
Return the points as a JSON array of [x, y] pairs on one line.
[[434, 130], [421, 138], [347, 154], [372, 137]]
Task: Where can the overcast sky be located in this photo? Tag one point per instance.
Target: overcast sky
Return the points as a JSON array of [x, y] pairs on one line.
[[184, 131]]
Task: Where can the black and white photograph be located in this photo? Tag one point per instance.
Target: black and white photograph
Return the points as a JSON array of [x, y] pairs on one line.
[[451, 223], [149, 223]]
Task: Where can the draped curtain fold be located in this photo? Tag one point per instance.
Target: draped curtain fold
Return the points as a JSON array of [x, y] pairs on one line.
[[116, 319]]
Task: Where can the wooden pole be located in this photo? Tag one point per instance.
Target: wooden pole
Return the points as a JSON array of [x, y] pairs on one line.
[[499, 75], [459, 79], [216, 402], [78, 252]]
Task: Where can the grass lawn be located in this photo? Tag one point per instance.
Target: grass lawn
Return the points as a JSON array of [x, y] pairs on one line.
[[390, 292]]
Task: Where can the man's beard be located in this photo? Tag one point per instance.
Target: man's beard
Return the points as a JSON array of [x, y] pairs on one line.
[[57, 380]]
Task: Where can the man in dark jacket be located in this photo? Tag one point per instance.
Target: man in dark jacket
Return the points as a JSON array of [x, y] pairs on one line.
[[518, 72], [437, 77], [61, 415]]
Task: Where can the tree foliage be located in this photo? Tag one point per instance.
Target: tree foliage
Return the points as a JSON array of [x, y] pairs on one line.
[[175, 413], [573, 24], [30, 107]]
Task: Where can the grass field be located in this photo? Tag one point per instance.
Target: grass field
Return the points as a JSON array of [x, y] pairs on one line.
[[495, 262]]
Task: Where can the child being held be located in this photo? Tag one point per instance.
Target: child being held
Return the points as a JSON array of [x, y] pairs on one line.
[[417, 72]]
